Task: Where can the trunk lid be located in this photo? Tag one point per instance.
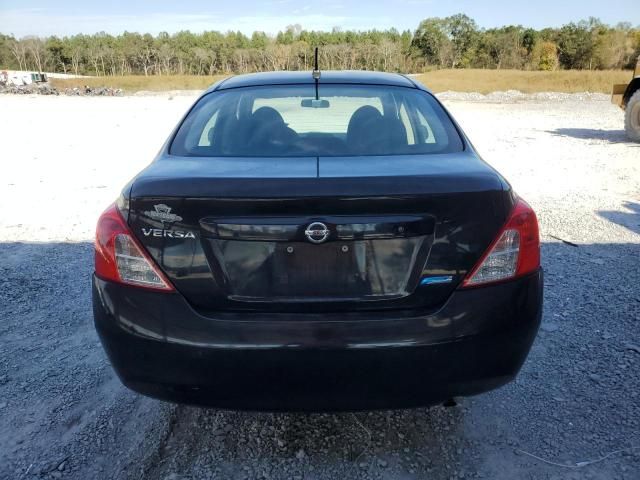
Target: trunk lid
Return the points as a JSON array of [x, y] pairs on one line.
[[249, 234]]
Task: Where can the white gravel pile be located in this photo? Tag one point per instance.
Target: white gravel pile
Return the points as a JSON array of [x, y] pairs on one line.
[[512, 96]]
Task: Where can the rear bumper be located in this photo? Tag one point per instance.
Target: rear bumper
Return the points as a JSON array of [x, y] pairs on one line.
[[161, 347]]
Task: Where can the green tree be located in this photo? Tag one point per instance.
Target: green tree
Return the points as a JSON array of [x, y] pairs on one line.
[[464, 35], [432, 40], [58, 53], [7, 60], [575, 46]]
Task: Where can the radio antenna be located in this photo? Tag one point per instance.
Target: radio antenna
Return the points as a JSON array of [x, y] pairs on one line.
[[316, 72]]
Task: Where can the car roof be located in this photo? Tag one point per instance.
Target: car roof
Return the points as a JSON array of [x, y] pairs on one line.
[[356, 77]]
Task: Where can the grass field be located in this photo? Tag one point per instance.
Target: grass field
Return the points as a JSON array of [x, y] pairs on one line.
[[486, 81], [483, 81], [136, 83]]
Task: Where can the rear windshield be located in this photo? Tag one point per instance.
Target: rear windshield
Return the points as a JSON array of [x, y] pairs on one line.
[[289, 120]]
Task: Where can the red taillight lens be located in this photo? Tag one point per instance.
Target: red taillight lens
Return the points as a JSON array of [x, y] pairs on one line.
[[119, 257], [515, 252]]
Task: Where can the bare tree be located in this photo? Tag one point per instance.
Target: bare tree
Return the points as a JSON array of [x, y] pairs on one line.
[[35, 47], [19, 51], [166, 56]]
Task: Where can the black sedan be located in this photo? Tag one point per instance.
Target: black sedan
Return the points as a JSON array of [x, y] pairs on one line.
[[317, 242]]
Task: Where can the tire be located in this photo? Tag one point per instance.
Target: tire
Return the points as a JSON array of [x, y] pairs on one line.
[[632, 117]]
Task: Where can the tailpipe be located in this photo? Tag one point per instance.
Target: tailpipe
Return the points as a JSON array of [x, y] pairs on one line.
[[451, 402]]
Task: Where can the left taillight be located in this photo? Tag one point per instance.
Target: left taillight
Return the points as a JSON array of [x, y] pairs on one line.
[[120, 258], [515, 251]]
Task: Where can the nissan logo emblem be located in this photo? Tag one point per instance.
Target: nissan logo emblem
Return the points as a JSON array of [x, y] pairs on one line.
[[317, 232]]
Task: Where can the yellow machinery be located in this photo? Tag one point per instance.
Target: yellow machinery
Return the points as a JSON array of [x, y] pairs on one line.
[[627, 97]]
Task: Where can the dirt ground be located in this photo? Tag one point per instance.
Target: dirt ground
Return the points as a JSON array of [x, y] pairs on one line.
[[575, 405]]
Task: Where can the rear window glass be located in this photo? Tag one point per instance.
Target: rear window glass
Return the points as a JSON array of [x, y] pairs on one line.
[[288, 120]]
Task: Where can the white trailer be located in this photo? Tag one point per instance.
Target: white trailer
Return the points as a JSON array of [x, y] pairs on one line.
[[19, 78]]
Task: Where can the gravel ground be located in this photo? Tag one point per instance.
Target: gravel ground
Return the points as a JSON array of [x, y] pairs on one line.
[[63, 414]]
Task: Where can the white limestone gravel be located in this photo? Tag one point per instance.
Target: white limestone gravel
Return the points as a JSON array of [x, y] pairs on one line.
[[63, 414]]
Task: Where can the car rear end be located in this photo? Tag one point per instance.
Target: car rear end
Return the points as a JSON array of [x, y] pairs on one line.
[[348, 254]]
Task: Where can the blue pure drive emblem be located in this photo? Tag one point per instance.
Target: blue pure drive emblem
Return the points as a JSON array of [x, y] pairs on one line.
[[436, 280], [317, 232]]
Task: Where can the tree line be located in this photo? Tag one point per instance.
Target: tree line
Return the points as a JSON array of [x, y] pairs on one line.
[[451, 42]]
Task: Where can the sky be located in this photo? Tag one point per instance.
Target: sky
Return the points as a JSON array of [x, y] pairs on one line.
[[68, 17]]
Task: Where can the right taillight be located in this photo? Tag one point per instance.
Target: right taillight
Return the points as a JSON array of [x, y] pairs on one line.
[[119, 258], [514, 252]]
